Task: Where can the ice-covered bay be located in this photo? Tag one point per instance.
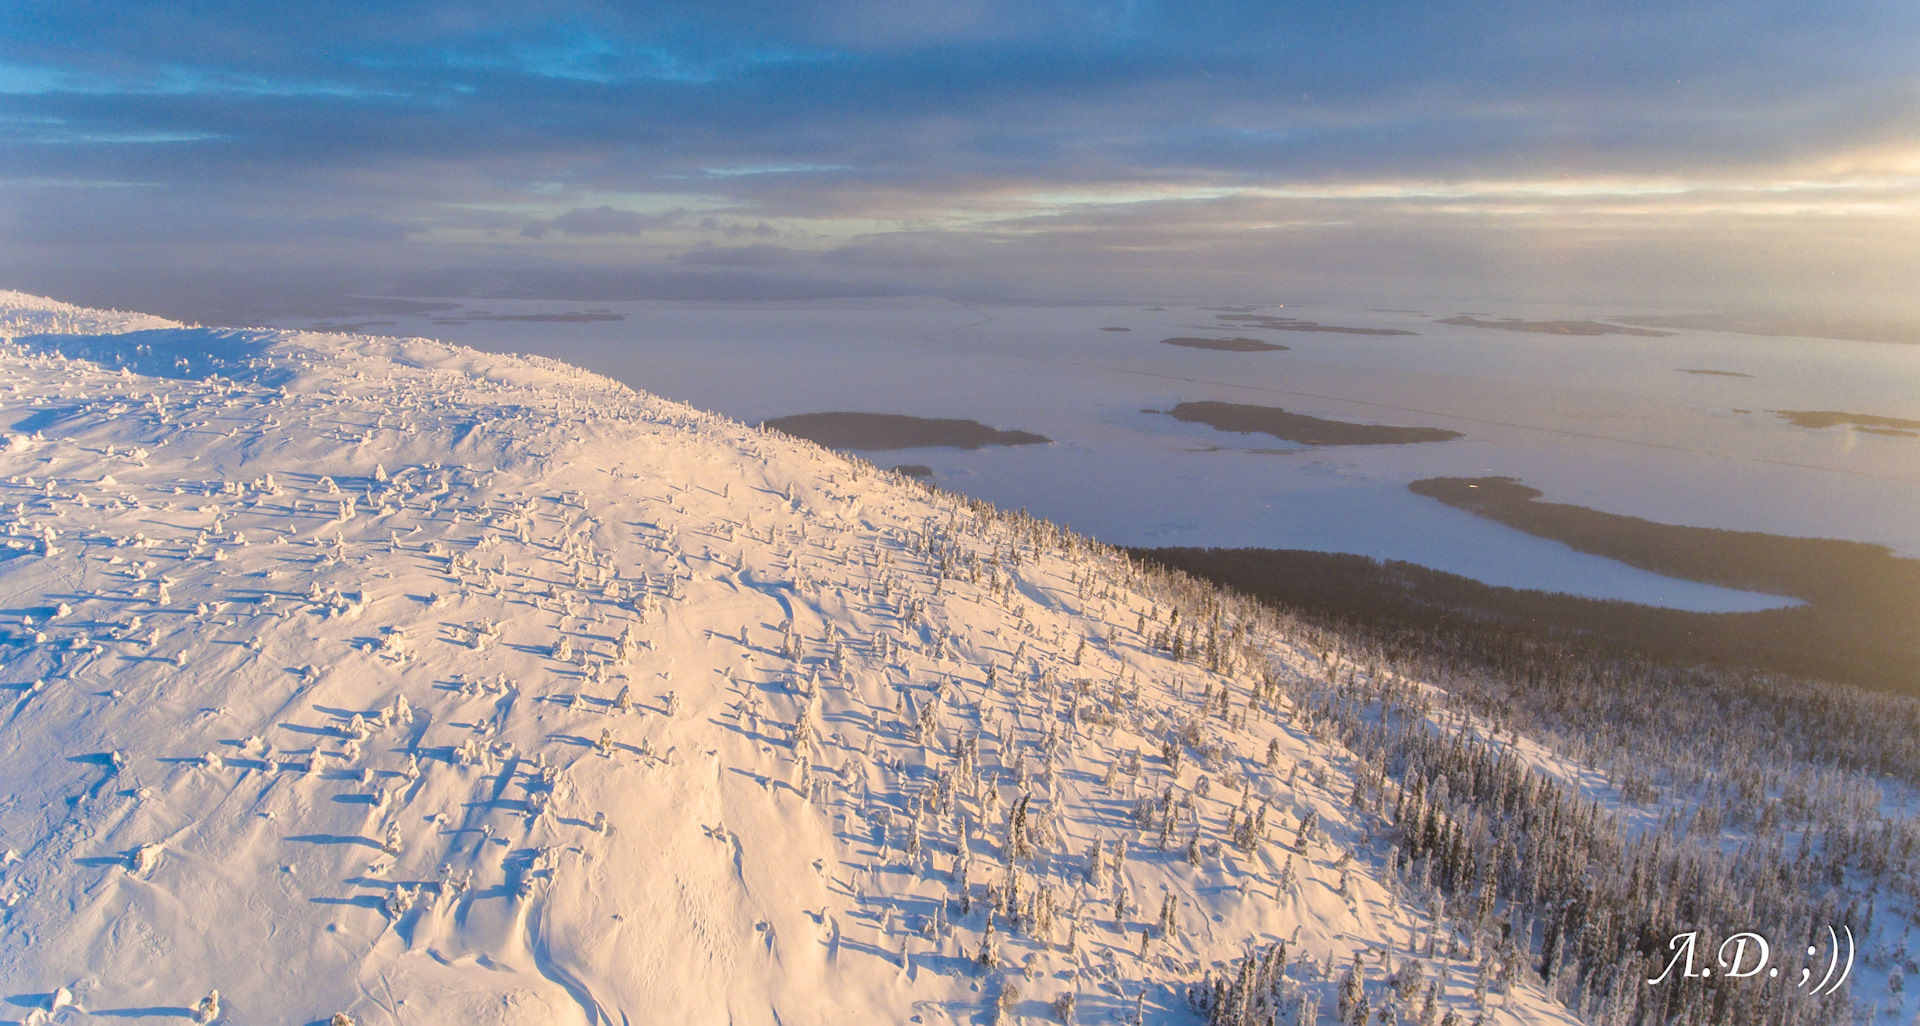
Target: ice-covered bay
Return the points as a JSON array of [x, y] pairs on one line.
[[1610, 422]]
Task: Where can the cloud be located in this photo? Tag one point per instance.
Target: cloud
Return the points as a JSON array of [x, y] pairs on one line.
[[757, 255], [896, 253], [945, 142], [735, 229], [605, 220], [101, 219]]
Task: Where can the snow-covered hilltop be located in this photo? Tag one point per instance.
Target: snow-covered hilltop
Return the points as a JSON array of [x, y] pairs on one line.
[[392, 679], [23, 314]]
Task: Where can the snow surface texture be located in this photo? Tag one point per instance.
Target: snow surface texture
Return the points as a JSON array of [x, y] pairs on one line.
[[385, 677], [22, 314]]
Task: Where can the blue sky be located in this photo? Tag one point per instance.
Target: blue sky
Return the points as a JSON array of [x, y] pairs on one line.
[[1699, 153]]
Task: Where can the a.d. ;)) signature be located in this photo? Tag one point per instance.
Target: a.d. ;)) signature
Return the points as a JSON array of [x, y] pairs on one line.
[[1747, 955]]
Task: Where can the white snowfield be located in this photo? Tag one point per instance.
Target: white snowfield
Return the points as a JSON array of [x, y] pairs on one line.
[[22, 314], [388, 679]]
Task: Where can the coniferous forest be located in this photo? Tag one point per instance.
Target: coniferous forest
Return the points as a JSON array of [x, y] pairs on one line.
[[1682, 798]]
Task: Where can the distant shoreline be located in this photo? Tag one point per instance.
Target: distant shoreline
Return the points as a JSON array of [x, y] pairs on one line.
[[884, 431], [1301, 428], [1860, 623], [1817, 419], [1581, 328], [1225, 345]]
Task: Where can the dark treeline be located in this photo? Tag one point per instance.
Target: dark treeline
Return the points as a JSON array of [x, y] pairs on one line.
[[1832, 638], [880, 431], [1861, 623], [1518, 651], [1301, 428]]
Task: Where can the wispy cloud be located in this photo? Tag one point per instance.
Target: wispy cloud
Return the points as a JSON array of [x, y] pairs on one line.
[[913, 140]]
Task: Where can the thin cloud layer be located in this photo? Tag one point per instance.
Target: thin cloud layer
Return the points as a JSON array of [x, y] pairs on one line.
[[907, 143]]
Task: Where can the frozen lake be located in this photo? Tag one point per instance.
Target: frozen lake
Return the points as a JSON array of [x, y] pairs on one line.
[[1610, 421]]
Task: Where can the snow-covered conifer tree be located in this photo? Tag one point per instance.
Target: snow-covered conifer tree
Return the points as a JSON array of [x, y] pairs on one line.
[[1352, 996]]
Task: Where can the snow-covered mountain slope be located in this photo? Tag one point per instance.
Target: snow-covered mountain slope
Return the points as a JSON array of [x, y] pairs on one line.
[[383, 677], [23, 314]]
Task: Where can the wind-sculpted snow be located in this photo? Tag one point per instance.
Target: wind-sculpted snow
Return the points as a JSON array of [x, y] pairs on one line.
[[22, 314], [387, 678], [185, 354]]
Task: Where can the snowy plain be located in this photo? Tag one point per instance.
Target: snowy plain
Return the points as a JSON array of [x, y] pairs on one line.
[[1611, 422]]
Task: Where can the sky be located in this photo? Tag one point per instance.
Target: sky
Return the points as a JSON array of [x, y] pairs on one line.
[[1698, 154]]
